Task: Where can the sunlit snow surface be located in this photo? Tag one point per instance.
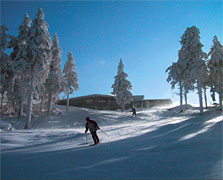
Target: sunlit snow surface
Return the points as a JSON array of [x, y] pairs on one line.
[[158, 143]]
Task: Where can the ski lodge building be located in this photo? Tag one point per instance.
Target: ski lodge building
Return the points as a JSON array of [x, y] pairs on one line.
[[108, 102]]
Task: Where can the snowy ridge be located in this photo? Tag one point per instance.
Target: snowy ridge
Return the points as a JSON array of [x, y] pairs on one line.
[[158, 143]]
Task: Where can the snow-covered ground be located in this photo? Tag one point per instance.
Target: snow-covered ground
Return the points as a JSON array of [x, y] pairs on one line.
[[160, 143]]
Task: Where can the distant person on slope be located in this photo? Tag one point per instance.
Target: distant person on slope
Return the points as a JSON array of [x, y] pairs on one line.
[[133, 112], [93, 127]]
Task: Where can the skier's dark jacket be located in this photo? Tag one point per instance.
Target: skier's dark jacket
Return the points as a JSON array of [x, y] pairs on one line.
[[92, 126]]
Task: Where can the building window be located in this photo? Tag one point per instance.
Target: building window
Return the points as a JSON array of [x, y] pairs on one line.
[[89, 101], [101, 101]]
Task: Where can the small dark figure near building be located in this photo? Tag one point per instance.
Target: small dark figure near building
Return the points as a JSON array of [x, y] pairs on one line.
[[133, 112], [93, 127]]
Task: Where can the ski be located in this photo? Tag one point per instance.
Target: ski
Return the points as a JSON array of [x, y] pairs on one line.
[[93, 144]]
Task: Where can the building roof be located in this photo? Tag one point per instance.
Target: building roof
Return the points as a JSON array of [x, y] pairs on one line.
[[91, 95], [138, 98], [135, 97]]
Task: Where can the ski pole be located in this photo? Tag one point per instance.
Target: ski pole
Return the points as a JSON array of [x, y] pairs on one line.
[[104, 133], [86, 138]]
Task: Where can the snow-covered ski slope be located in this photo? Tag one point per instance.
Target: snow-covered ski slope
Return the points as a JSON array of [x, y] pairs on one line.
[[160, 143]]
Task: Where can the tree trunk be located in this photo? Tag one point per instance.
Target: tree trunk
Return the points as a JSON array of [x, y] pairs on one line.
[[30, 103], [67, 102], [181, 96], [220, 101], [200, 96], [41, 105], [213, 94], [14, 106], [20, 107], [7, 105], [2, 103], [185, 98], [123, 107], [205, 98], [49, 104]]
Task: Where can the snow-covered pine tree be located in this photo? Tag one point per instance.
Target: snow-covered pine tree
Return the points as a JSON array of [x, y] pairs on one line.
[[122, 87], [204, 79], [192, 55], [215, 65], [20, 49], [38, 58], [18, 67], [188, 85], [70, 77], [54, 82], [12, 94], [5, 62], [3, 38], [43, 96], [175, 77]]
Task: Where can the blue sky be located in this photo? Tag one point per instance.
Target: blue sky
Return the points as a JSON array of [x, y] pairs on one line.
[[144, 34]]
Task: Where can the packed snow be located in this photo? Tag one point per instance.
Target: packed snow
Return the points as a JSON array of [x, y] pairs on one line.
[[159, 143]]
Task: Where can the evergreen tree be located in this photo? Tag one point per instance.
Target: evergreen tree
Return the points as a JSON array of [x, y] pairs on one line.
[[187, 85], [122, 87], [205, 79], [70, 77], [18, 67], [38, 58], [215, 65], [54, 82], [3, 38], [5, 63], [192, 55], [175, 77]]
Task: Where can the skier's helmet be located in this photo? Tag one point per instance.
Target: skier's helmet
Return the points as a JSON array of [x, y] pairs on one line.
[[87, 118]]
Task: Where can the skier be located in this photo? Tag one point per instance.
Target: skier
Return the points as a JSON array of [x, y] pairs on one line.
[[133, 112], [93, 127]]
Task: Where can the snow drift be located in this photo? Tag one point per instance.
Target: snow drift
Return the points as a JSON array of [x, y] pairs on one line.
[[158, 143]]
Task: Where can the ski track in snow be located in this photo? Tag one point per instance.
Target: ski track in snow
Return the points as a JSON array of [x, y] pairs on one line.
[[158, 143]]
